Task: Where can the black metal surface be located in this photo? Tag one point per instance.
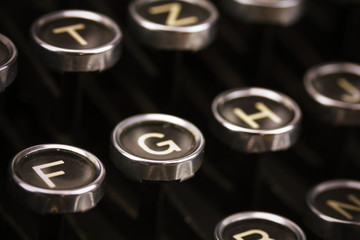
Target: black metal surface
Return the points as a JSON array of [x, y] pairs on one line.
[[39, 107]]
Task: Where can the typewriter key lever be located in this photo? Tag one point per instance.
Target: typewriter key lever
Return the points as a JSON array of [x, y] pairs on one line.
[[334, 209], [257, 225], [156, 149], [77, 41], [256, 119], [8, 62], [54, 179], [174, 26]]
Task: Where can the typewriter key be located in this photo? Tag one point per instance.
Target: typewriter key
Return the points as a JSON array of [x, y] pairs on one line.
[[256, 119], [77, 40], [334, 209], [54, 179], [157, 147], [279, 12], [8, 62], [257, 225], [154, 149], [335, 90], [174, 25]]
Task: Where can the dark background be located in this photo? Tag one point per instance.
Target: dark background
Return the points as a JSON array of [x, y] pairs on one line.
[[38, 107]]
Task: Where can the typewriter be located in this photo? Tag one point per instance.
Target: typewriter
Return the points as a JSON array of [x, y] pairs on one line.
[[201, 120]]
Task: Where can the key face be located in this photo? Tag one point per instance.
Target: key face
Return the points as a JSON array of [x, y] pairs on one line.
[[56, 178], [157, 147], [256, 120], [342, 87], [174, 25], [173, 13], [335, 89], [56, 170], [158, 140], [75, 33], [77, 40], [256, 113], [257, 225], [334, 209], [8, 62], [342, 204]]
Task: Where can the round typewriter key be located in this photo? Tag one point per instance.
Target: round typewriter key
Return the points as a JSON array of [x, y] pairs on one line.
[[153, 149], [157, 147], [174, 25], [54, 178], [334, 209], [8, 62], [280, 12], [335, 88], [77, 40], [256, 119], [257, 225]]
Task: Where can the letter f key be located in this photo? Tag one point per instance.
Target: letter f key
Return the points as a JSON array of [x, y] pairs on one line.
[[46, 177]]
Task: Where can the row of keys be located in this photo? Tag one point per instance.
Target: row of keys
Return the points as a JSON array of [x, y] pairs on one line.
[[159, 147], [73, 181], [54, 178], [82, 41], [334, 87]]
